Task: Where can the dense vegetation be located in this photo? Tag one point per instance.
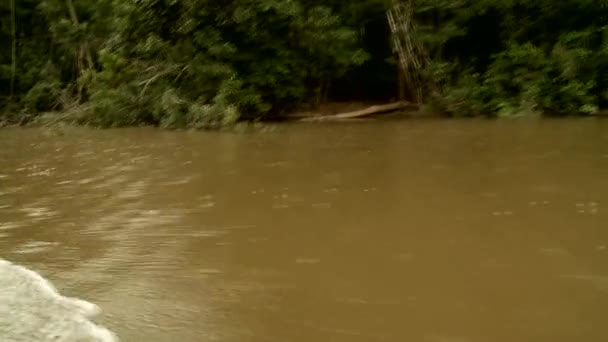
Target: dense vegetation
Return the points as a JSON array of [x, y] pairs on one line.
[[205, 63]]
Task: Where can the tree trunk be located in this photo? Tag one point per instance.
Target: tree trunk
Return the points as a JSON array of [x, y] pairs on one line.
[[402, 85], [378, 109], [325, 96], [322, 92], [84, 59], [85, 46], [13, 50], [413, 58]]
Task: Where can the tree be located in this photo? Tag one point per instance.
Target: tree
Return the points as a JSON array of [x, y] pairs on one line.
[[201, 63]]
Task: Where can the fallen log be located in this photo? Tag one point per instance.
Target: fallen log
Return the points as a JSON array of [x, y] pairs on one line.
[[377, 109]]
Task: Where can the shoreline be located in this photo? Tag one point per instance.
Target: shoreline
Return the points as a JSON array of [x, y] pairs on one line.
[[335, 113]]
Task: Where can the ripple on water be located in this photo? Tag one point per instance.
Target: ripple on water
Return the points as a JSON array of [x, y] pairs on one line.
[[502, 213], [38, 212], [34, 247], [42, 173], [599, 281], [587, 208], [206, 233], [324, 205], [308, 261], [554, 252], [4, 226], [11, 190], [446, 338], [31, 309]]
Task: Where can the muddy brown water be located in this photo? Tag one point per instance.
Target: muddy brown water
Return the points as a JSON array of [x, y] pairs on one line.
[[446, 231]]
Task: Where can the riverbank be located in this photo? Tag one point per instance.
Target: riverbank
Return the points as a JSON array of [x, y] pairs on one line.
[[84, 115], [334, 111]]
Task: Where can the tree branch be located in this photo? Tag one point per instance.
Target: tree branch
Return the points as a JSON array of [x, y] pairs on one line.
[[14, 50]]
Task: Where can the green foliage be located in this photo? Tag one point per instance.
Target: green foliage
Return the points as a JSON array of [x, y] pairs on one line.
[[516, 58], [175, 63], [205, 64]]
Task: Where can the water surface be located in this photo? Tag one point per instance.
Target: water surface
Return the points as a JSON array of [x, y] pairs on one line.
[[446, 231]]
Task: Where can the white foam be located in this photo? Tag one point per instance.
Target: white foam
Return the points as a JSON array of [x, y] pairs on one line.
[[31, 309]]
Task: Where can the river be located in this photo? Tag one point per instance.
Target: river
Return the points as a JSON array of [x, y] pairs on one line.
[[414, 230]]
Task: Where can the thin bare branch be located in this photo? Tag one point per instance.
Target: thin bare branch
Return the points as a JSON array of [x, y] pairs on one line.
[[13, 49]]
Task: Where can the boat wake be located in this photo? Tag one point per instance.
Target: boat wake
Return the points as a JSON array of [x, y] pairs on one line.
[[31, 309]]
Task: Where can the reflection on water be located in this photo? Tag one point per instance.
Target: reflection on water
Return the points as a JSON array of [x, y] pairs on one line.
[[388, 231]]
